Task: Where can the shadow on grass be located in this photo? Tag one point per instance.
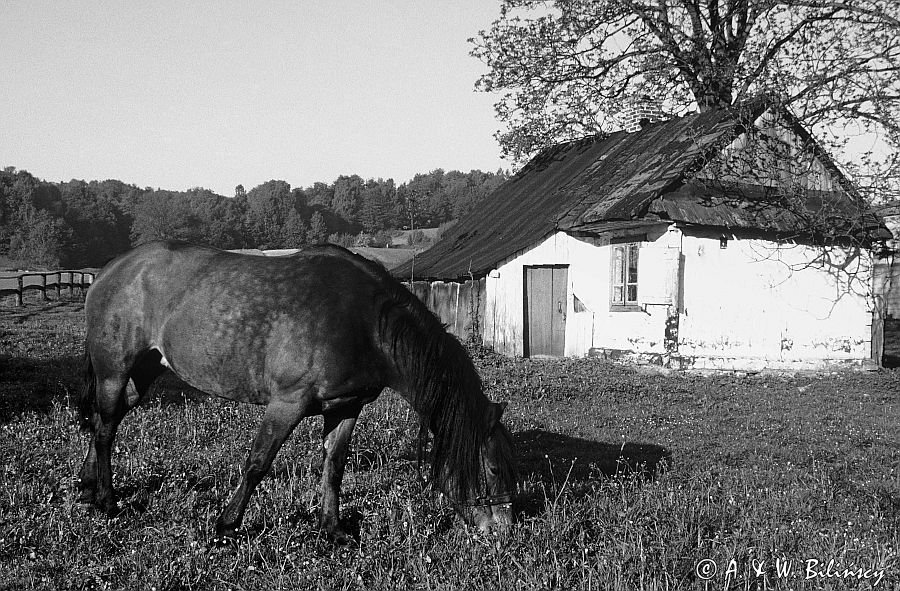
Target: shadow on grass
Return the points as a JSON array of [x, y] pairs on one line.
[[32, 385], [170, 390], [555, 460], [29, 385]]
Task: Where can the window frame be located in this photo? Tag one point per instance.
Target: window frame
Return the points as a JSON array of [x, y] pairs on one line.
[[631, 248]]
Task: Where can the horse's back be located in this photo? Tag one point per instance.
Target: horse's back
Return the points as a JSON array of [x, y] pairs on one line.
[[229, 323], [152, 273], [177, 267]]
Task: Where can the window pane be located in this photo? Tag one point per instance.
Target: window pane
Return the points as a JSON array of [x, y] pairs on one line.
[[632, 263], [632, 294], [618, 276], [624, 274]]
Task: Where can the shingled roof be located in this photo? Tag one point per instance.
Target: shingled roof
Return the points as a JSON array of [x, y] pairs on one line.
[[589, 185]]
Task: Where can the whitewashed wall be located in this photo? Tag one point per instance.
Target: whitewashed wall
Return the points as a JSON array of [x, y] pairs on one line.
[[504, 318], [760, 301], [588, 275], [752, 304]]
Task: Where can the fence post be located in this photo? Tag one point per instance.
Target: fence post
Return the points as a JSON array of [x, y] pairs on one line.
[[44, 287], [21, 291], [58, 281]]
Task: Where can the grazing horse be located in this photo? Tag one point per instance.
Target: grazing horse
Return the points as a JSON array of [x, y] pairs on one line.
[[321, 332]]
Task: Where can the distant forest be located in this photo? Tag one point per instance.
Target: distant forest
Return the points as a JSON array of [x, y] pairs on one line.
[[84, 224]]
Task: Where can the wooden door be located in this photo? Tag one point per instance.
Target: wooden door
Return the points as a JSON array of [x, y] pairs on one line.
[[545, 310]]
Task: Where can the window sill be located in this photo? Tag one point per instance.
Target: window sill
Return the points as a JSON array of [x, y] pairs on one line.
[[625, 308]]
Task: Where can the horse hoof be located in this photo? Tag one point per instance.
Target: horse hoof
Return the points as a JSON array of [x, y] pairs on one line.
[[110, 509], [225, 539], [336, 535], [339, 537], [85, 496], [225, 533], [332, 530]]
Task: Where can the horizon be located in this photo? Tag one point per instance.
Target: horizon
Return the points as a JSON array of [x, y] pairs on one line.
[[148, 188]]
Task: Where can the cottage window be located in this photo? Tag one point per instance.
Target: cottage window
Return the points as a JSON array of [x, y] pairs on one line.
[[624, 282]]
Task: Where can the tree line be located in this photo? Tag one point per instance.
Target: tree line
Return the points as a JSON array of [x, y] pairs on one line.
[[82, 224]]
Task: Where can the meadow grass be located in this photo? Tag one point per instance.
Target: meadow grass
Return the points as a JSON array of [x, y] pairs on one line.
[[629, 479]]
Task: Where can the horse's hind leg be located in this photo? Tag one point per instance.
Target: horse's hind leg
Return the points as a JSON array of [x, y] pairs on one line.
[[336, 432], [110, 408], [143, 374], [278, 422], [112, 393]]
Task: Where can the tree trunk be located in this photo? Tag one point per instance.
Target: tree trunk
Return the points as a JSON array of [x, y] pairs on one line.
[[713, 94]]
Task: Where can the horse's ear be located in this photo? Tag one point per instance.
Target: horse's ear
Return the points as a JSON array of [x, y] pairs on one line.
[[495, 411]]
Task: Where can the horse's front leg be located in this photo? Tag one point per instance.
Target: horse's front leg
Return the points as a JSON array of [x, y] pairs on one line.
[[278, 422], [336, 433], [87, 477]]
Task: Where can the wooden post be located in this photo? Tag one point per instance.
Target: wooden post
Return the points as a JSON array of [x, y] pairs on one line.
[[71, 283], [58, 281], [44, 287], [21, 291]]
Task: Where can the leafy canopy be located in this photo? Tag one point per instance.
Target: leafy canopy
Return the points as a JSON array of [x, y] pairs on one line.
[[565, 68]]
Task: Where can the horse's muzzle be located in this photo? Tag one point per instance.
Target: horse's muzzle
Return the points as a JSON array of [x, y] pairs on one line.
[[490, 517]]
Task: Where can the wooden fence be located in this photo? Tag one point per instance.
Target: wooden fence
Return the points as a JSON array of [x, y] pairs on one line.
[[44, 282], [459, 306]]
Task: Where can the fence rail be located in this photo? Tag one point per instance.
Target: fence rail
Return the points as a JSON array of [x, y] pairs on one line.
[[42, 281]]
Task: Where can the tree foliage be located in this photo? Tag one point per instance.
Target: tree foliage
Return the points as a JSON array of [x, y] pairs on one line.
[[79, 223], [164, 215], [567, 68]]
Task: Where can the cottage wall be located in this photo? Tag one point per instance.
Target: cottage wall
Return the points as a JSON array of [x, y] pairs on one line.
[[504, 318], [771, 304], [752, 304], [589, 323]]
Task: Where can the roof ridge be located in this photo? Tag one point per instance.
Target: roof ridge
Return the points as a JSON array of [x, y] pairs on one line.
[[588, 181]]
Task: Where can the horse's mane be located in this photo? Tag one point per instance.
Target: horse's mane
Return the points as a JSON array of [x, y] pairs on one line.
[[440, 382]]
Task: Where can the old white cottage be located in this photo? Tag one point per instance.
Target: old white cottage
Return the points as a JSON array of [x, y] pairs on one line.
[[726, 239]]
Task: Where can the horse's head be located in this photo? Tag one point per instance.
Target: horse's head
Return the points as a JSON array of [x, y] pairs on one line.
[[489, 503]]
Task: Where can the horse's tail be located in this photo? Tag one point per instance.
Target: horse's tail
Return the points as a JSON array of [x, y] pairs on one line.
[[88, 393]]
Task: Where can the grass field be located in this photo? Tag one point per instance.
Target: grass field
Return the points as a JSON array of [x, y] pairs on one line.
[[11, 265], [630, 480]]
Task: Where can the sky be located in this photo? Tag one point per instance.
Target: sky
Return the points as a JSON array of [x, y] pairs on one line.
[[175, 95]]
